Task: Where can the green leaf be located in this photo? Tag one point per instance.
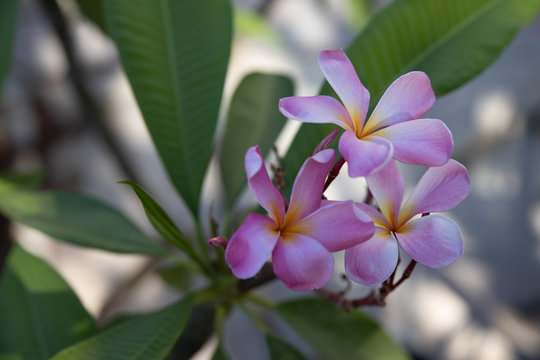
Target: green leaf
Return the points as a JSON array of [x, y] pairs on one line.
[[149, 336], [197, 331], [8, 18], [39, 313], [93, 10], [30, 179], [253, 118], [75, 218], [451, 40], [281, 350], [179, 274], [337, 334], [175, 54], [220, 354], [161, 221]]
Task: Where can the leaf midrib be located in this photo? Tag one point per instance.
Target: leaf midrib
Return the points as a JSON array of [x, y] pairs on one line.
[[171, 50], [35, 322], [460, 26], [410, 65]]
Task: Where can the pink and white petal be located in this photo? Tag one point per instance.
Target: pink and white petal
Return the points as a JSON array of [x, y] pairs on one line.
[[373, 261], [337, 226], [340, 73], [434, 241], [425, 142], [407, 98], [387, 187], [251, 245], [301, 262], [308, 186], [440, 189], [374, 214], [261, 185], [320, 109], [364, 156]]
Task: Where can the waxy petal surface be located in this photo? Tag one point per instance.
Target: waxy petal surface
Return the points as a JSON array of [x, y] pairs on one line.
[[407, 98], [261, 185], [374, 214], [373, 261], [336, 226], [302, 263], [434, 241], [364, 157], [340, 73], [319, 109], [251, 245], [425, 142], [440, 189], [308, 186], [387, 187]]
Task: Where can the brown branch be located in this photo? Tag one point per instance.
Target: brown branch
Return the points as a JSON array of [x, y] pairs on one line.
[[374, 298]]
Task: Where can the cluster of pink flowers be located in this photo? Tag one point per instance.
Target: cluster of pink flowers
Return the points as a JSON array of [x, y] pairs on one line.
[[299, 238]]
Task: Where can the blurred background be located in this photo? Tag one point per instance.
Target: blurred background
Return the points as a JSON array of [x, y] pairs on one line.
[[67, 109]]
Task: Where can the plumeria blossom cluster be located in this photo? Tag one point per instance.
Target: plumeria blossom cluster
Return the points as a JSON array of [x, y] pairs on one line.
[[300, 237]]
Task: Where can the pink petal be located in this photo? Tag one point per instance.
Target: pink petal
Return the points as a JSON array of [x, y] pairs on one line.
[[434, 241], [261, 185], [336, 226], [407, 98], [251, 245], [374, 214], [373, 261], [425, 142], [440, 189], [308, 186], [387, 187], [301, 262], [320, 109], [366, 156], [340, 73]]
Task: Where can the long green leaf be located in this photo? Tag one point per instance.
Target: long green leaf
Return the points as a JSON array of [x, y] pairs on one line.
[[93, 10], [161, 221], [149, 336], [75, 218], [175, 55], [281, 350], [253, 119], [39, 313], [337, 334], [451, 40], [8, 17]]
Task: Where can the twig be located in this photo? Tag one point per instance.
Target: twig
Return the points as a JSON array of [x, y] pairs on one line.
[[374, 298]]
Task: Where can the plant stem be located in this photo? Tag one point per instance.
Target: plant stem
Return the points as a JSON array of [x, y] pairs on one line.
[[334, 173], [374, 298]]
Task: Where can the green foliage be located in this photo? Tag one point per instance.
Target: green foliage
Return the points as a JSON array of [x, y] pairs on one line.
[[149, 336], [161, 221], [253, 119], [281, 350], [337, 334], [93, 10], [8, 17], [175, 54], [451, 40], [220, 354], [75, 218], [39, 313]]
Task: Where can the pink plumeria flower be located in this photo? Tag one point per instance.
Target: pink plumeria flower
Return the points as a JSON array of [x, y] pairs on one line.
[[393, 129], [434, 241], [298, 238]]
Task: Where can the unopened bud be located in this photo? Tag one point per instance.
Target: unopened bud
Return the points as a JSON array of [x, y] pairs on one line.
[[218, 241], [327, 141]]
